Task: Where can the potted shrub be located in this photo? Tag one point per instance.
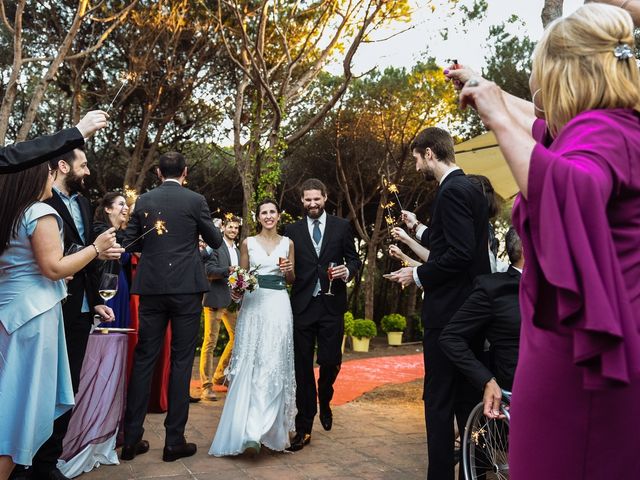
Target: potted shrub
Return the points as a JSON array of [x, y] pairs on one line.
[[394, 324], [348, 327], [363, 331]]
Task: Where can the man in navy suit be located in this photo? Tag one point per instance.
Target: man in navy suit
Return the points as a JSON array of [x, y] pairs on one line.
[[457, 237], [319, 238], [170, 281]]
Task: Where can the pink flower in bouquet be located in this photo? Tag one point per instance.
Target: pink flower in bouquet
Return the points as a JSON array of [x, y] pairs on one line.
[[241, 280]]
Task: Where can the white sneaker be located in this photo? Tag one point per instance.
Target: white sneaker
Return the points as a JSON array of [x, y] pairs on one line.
[[208, 394]]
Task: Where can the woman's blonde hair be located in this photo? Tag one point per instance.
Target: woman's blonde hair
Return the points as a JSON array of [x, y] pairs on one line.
[[576, 68]]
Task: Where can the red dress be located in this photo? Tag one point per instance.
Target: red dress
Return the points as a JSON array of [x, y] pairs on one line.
[[158, 399]]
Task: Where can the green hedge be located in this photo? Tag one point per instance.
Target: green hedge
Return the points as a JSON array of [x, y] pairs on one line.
[[394, 322], [348, 323], [364, 328]]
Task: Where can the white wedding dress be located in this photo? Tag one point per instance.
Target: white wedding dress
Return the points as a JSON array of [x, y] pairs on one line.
[[260, 407]]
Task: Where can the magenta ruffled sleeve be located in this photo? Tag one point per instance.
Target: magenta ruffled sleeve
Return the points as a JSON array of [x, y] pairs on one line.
[[570, 184]]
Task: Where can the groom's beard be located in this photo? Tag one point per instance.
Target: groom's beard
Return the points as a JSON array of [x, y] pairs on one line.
[[313, 214], [74, 183]]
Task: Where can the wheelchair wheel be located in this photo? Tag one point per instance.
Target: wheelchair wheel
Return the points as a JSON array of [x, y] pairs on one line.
[[485, 445]]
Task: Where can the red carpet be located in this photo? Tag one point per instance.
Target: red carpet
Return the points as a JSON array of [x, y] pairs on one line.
[[359, 376]]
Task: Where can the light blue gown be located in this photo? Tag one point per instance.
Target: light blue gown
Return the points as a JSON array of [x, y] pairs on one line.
[[35, 383]]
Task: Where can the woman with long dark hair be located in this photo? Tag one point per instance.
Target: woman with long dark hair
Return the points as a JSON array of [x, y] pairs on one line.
[[35, 383], [112, 211], [260, 407]]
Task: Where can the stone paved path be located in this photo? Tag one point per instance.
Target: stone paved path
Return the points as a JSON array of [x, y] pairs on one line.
[[369, 440]]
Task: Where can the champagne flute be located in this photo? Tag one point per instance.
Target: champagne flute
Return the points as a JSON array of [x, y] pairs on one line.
[[330, 268], [108, 286]]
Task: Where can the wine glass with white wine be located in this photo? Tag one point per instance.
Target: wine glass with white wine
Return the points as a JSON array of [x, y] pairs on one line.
[[108, 286]]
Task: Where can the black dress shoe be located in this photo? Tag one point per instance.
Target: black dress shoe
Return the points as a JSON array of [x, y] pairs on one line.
[[298, 441], [193, 399], [54, 474], [326, 418], [129, 452], [20, 472], [174, 452]]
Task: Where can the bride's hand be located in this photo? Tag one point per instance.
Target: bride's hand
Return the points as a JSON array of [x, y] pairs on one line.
[[285, 266], [236, 296]]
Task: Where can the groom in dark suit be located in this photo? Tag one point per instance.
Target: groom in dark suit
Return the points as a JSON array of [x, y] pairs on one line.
[[319, 239], [170, 281], [457, 238]]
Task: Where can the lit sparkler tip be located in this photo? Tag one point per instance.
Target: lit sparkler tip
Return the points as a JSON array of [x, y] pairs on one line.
[[393, 188], [160, 227], [130, 192], [228, 215], [125, 77]]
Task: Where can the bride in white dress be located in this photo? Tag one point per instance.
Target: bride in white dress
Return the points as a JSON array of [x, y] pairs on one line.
[[260, 407]]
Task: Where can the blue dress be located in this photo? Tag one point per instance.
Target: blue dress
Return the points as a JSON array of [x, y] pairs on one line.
[[120, 303], [35, 383]]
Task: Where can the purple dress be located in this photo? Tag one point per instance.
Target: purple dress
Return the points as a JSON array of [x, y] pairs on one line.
[[576, 395]]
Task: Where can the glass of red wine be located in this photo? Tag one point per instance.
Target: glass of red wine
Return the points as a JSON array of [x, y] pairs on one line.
[[330, 268]]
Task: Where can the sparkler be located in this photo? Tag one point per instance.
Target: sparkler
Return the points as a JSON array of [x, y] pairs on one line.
[[159, 227], [124, 79], [130, 194], [392, 188]]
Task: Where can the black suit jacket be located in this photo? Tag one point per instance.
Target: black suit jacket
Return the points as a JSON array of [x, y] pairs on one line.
[[492, 311], [337, 246], [457, 238], [217, 269], [170, 263], [84, 281], [23, 155]]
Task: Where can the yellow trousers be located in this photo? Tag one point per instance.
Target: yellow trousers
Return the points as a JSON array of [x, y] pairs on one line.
[[212, 318]]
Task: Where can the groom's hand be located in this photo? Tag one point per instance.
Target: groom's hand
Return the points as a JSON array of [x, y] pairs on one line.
[[340, 271]]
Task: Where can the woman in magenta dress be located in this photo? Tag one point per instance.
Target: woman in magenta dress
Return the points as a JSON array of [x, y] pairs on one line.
[[575, 412]]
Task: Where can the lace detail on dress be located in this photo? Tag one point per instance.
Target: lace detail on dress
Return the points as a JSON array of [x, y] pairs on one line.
[[261, 403]]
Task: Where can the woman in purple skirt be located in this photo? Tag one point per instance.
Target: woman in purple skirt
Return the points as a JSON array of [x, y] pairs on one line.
[[575, 412]]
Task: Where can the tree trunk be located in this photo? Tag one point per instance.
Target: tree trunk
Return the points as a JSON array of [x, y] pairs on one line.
[[41, 89], [12, 86], [370, 274], [552, 9]]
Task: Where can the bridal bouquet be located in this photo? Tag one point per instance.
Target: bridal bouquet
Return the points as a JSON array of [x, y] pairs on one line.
[[241, 280]]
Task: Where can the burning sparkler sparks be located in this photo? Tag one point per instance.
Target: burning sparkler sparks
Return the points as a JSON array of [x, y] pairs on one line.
[[159, 227], [131, 194], [124, 79], [392, 188]]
